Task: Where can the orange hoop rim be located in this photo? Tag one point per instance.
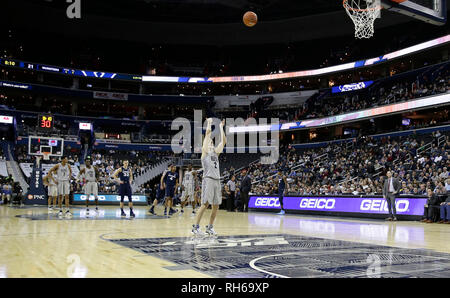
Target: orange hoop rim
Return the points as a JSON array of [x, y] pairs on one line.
[[346, 6]]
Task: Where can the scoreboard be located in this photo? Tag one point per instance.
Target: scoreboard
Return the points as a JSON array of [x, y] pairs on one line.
[[46, 122]]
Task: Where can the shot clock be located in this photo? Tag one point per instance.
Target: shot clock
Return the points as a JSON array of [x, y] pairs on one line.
[[45, 122]]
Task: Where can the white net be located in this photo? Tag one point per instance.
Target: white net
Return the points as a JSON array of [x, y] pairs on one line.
[[363, 14]]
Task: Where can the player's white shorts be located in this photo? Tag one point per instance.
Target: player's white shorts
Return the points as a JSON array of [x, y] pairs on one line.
[[91, 188], [63, 188], [188, 191], [52, 191], [211, 191]]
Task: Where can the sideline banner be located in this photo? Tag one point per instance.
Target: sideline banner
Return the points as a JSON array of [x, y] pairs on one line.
[[409, 206], [109, 199]]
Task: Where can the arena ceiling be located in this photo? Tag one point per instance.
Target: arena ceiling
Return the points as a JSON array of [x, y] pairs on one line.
[[201, 22], [198, 11]]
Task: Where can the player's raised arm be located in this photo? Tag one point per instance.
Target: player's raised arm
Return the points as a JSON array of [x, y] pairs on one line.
[[207, 141], [223, 139]]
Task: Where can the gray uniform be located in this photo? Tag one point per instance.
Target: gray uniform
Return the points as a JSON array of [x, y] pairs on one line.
[[52, 187], [211, 189], [63, 177], [91, 186], [188, 183]]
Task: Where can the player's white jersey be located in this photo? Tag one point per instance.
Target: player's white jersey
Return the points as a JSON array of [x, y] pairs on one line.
[[63, 172], [89, 174], [188, 179], [210, 164]]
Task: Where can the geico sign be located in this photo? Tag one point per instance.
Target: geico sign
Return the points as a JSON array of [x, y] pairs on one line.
[[317, 203], [381, 205], [267, 202]]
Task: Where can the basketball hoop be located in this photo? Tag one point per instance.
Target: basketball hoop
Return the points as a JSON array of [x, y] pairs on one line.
[[363, 14], [46, 155]]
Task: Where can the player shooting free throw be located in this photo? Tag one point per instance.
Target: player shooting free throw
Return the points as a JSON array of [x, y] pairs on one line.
[[211, 189]]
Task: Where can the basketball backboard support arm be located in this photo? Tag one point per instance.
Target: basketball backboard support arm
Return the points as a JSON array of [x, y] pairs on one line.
[[436, 15]]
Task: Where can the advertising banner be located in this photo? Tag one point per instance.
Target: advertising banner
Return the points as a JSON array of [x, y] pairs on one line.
[[109, 199], [341, 204], [36, 193]]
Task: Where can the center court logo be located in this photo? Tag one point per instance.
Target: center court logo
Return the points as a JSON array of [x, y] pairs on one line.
[[318, 203], [381, 205]]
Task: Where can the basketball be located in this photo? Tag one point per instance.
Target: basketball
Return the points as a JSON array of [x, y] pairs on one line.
[[250, 19]]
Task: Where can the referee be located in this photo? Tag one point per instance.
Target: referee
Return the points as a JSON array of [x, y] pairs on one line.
[[232, 193]]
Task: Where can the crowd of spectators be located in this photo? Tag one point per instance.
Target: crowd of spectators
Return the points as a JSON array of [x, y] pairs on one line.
[[10, 190], [384, 94], [359, 168]]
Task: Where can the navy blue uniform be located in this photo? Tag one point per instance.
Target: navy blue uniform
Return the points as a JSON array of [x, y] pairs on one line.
[[125, 187], [160, 194], [170, 180]]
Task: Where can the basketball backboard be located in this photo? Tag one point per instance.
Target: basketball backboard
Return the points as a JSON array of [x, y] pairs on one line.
[[430, 11], [38, 145]]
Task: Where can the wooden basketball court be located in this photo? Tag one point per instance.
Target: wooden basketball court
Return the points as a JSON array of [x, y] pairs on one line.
[[34, 243]]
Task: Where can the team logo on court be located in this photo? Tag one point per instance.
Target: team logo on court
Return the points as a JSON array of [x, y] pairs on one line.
[[222, 243]]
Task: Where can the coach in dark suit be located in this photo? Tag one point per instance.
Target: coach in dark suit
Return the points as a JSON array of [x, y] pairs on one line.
[[246, 187], [390, 190]]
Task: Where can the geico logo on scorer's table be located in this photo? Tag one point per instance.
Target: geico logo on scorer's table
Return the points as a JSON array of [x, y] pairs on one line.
[[267, 202], [317, 203], [381, 205]]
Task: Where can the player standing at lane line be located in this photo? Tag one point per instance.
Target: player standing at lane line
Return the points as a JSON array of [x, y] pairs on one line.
[[170, 183], [211, 188], [63, 173], [125, 176], [159, 193], [188, 186], [52, 190], [197, 201], [91, 175]]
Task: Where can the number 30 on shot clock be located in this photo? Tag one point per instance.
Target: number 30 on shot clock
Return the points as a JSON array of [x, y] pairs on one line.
[[46, 121]]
